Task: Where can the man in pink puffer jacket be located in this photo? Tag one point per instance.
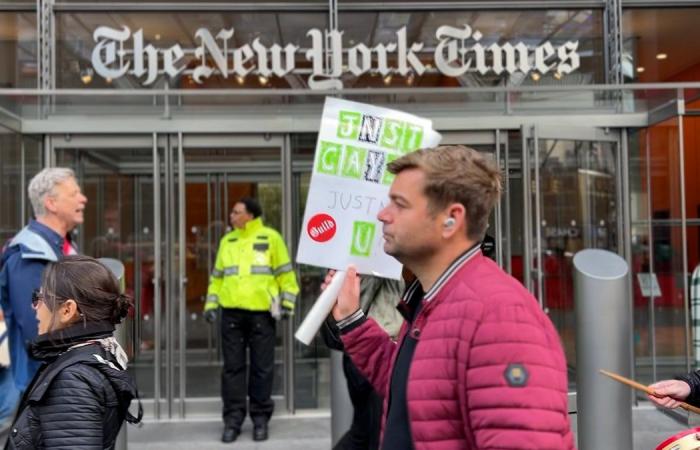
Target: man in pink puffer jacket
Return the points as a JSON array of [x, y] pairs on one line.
[[477, 365]]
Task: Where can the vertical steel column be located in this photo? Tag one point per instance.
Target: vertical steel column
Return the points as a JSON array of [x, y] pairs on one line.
[[182, 306], [538, 220], [341, 405], [119, 203], [527, 220], [604, 406], [169, 278], [613, 51], [684, 229], [217, 216], [497, 214], [211, 330], [80, 173], [39, 41], [49, 152], [652, 312], [508, 245], [613, 41], [225, 211], [625, 219], [23, 182], [287, 230], [157, 274], [138, 292], [46, 44]]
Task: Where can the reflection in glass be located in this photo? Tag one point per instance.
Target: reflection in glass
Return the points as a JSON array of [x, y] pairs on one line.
[[119, 224], [656, 47], [578, 182], [18, 46], [20, 160]]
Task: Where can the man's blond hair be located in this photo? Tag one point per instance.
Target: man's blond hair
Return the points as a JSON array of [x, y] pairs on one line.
[[457, 174]]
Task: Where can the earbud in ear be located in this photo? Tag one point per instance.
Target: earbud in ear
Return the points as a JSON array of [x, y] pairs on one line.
[[449, 222]]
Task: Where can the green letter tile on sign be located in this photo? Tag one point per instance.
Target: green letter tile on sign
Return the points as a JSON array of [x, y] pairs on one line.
[[353, 162], [328, 161], [388, 177], [392, 134], [412, 137], [349, 124], [362, 238]]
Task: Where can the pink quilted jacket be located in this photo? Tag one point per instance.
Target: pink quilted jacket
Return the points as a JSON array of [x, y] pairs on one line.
[[478, 331]]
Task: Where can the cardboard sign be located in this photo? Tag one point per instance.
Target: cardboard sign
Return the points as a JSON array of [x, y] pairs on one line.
[[350, 184]]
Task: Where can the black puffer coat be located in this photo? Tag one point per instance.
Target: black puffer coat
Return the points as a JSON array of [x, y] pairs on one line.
[[79, 398]]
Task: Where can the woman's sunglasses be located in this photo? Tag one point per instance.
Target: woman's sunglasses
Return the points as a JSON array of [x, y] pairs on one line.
[[37, 296]]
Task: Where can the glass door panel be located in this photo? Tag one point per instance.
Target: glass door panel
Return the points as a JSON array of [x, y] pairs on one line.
[[116, 175], [660, 250], [572, 204], [217, 173]]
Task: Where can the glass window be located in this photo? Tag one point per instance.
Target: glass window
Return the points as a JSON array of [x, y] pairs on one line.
[[388, 48], [658, 45], [485, 28], [76, 45], [20, 160], [18, 50]]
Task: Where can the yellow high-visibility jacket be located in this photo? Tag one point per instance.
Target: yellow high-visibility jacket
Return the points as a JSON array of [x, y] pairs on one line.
[[252, 271]]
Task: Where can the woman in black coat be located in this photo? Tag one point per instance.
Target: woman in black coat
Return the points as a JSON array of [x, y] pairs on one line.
[[80, 396]]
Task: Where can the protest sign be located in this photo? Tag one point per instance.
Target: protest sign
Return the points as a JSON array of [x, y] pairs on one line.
[[350, 184]]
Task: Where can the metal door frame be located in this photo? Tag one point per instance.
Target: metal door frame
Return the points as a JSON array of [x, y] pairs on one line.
[[181, 143], [146, 143], [531, 135], [669, 111]]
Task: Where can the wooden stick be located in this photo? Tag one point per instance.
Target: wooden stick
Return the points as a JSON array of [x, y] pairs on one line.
[[645, 389]]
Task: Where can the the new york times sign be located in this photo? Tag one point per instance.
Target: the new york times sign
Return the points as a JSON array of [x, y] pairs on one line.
[[459, 50]]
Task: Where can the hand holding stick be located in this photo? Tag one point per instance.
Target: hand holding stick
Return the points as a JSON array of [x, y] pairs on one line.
[[645, 389]]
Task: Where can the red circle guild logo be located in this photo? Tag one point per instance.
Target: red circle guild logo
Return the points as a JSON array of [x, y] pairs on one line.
[[321, 227]]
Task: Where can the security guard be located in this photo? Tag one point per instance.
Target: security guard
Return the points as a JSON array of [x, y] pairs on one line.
[[252, 284]]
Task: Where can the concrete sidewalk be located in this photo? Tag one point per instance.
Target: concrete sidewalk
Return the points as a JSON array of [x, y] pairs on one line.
[[313, 432]]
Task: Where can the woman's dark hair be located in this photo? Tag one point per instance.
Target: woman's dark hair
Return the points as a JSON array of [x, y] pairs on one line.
[[87, 281], [252, 206]]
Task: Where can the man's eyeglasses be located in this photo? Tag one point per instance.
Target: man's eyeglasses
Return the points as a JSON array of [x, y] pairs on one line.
[[37, 296]]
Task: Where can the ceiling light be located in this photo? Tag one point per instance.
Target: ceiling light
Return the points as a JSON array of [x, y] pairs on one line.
[[240, 79], [108, 80], [557, 75], [661, 56], [640, 69], [387, 79], [410, 79], [262, 79], [157, 36], [535, 76], [86, 76]]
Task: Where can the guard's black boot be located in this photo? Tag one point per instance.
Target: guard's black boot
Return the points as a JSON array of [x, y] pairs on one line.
[[260, 432], [230, 434]]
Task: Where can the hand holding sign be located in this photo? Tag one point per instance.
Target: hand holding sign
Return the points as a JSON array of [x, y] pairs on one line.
[[349, 186]]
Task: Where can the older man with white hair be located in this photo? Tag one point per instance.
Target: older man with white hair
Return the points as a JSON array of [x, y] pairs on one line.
[[58, 207]]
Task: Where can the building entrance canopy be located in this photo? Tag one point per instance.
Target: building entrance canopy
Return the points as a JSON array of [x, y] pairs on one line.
[[32, 111]]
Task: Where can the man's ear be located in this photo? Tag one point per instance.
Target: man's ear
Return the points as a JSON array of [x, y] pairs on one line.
[[50, 203], [454, 219]]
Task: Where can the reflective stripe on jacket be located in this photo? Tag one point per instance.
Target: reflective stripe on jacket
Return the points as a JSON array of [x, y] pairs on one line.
[[252, 271]]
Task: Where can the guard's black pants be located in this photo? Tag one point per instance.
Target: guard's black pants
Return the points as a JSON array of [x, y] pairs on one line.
[[241, 329]]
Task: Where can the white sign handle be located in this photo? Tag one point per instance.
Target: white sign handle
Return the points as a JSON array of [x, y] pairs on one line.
[[320, 310]]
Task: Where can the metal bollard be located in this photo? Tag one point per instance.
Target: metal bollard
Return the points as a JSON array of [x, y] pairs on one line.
[[120, 332], [603, 341], [341, 406]]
